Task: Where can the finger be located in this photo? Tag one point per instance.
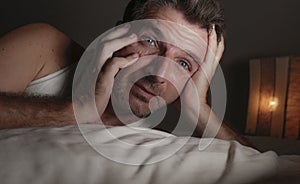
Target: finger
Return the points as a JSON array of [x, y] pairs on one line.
[[105, 80], [212, 48], [112, 46], [211, 59], [117, 32], [220, 50], [114, 64], [212, 41], [112, 67]]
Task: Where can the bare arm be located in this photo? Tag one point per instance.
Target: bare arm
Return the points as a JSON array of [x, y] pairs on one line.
[[26, 54], [19, 111], [214, 127]]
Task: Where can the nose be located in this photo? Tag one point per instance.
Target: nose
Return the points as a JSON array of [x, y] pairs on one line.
[[166, 66], [162, 67]]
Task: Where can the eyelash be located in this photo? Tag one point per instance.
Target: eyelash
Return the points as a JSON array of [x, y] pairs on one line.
[[147, 39], [188, 66]]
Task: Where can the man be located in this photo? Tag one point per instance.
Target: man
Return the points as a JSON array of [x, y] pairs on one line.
[[47, 52]]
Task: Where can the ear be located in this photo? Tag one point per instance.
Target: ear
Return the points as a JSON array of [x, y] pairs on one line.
[[119, 22]]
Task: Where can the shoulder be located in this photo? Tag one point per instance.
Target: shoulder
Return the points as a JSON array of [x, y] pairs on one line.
[[33, 51], [35, 34], [53, 49]]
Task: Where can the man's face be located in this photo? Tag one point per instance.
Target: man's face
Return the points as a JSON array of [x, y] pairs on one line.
[[169, 56]]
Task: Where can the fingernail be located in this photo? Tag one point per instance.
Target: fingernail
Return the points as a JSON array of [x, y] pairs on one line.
[[134, 56], [132, 36], [213, 27]]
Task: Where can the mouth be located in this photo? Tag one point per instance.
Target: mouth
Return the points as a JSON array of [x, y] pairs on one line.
[[140, 90]]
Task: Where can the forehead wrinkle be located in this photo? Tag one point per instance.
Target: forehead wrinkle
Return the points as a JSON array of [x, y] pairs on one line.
[[191, 47], [153, 28], [181, 37]]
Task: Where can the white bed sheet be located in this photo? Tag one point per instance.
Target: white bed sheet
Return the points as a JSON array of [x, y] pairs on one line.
[[62, 155]]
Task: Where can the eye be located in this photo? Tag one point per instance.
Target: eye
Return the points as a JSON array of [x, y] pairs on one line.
[[149, 41], [184, 64]]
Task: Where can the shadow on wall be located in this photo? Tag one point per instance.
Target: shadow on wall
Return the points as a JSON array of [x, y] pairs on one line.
[[237, 82]]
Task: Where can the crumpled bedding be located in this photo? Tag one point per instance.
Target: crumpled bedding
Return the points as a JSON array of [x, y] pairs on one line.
[[64, 155]]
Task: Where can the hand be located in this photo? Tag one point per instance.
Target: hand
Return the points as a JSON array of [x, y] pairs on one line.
[[112, 43], [107, 66], [201, 79]]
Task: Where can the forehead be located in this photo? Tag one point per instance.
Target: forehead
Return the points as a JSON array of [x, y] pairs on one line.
[[173, 15]]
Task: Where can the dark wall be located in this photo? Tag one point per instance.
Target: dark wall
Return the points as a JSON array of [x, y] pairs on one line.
[[82, 20], [255, 28]]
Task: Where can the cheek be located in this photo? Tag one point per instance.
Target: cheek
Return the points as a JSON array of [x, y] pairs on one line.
[[172, 94]]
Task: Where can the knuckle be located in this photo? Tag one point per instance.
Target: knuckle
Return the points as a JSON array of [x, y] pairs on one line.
[[101, 90]]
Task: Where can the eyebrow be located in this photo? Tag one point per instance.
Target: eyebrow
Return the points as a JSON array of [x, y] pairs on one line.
[[157, 31]]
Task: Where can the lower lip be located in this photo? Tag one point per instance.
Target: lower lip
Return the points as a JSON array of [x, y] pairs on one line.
[[142, 92]]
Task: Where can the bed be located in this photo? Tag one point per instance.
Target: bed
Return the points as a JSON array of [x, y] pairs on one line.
[[132, 155]]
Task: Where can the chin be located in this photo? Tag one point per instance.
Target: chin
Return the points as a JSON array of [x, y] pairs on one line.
[[141, 113], [139, 107]]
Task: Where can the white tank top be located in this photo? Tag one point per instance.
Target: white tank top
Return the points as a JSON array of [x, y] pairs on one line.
[[58, 84]]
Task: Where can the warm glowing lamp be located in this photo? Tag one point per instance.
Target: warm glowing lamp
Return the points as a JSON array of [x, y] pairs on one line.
[[273, 103], [274, 96]]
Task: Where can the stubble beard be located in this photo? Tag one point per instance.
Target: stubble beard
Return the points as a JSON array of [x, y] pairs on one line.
[[139, 105]]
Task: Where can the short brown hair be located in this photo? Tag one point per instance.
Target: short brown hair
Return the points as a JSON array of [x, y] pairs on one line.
[[204, 13]]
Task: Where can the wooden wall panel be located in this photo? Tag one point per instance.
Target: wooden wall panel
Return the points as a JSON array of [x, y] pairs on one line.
[[267, 87], [281, 82], [293, 102], [277, 78]]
